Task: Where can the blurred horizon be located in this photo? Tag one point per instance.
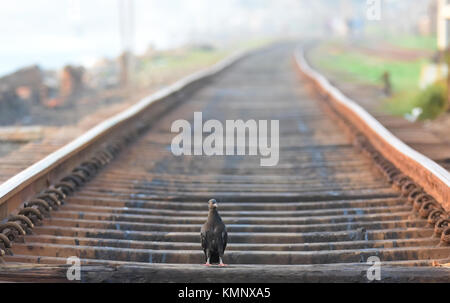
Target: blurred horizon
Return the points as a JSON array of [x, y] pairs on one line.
[[53, 33], [55, 52], [65, 65]]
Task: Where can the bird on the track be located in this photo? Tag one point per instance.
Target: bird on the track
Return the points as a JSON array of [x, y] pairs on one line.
[[213, 236]]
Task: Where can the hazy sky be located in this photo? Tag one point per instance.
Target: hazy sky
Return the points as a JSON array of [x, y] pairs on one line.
[[55, 32], [52, 33]]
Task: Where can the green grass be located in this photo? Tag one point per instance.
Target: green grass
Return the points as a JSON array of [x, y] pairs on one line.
[[401, 103], [432, 101], [369, 69]]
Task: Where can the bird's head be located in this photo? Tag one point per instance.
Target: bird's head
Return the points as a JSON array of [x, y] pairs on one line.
[[212, 203]]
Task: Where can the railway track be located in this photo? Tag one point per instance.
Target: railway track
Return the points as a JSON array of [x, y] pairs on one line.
[[320, 214]]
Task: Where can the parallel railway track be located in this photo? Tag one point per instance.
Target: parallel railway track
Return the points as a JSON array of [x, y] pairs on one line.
[[319, 214]]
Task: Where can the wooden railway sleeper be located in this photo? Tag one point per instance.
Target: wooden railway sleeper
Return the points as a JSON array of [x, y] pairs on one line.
[[34, 211], [424, 205]]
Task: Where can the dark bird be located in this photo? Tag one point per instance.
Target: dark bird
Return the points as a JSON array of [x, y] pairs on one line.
[[214, 236]]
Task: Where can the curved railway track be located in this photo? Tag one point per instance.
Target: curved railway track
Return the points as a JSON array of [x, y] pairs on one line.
[[318, 215]]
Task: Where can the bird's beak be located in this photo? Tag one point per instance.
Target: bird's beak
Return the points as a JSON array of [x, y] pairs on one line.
[[215, 205]]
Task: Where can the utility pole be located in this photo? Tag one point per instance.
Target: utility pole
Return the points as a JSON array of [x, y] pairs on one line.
[[443, 39], [126, 28]]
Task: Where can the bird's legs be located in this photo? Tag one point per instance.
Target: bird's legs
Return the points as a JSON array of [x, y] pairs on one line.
[[207, 263], [221, 262], [208, 257]]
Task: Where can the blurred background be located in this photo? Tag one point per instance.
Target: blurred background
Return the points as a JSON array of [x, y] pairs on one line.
[[66, 65]]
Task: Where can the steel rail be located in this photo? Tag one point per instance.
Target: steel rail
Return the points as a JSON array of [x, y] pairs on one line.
[[424, 171], [30, 181]]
